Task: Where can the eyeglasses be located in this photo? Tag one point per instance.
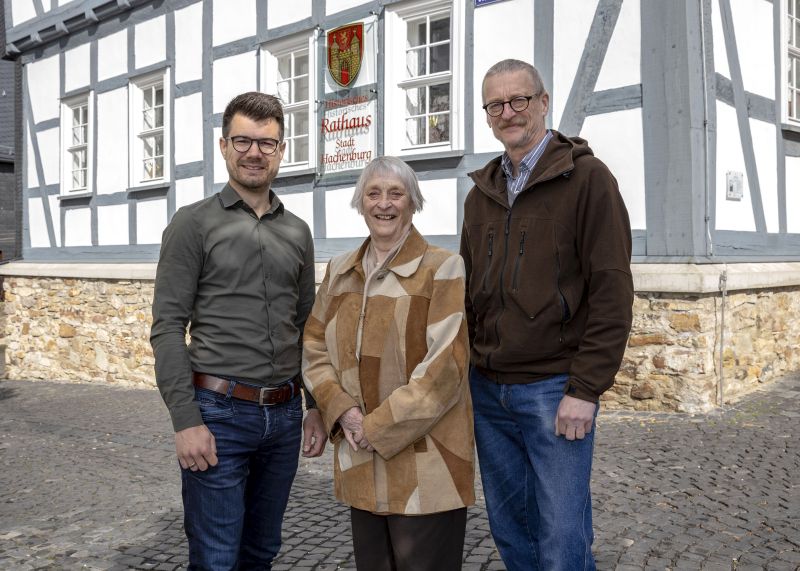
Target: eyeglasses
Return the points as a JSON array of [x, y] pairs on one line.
[[495, 108], [243, 144]]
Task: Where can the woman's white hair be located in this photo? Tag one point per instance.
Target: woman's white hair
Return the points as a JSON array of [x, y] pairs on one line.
[[388, 166]]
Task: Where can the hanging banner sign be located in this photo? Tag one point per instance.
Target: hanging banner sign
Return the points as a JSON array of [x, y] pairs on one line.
[[349, 133]]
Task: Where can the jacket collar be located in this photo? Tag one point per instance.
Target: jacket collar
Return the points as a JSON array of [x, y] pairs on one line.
[[404, 264]]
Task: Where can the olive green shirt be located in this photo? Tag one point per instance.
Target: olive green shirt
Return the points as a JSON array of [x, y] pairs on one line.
[[245, 284]]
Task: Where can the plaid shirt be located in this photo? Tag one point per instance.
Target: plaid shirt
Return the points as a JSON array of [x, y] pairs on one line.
[[514, 185]]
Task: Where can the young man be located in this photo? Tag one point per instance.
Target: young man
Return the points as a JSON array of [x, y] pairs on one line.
[[240, 268], [547, 244]]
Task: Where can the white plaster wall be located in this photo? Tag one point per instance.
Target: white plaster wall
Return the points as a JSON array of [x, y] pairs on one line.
[[333, 6], [301, 204], [439, 214], [151, 219], [37, 225], [112, 141], [21, 11], [720, 54], [753, 22], [571, 23], [624, 156], [112, 225], [232, 76], [731, 214], [189, 128], [78, 227], [112, 55], [220, 170], [515, 20], [189, 43], [150, 41], [282, 13], [234, 20], [341, 221], [792, 195], [76, 68], [622, 64], [765, 145], [43, 88], [48, 145], [188, 191]]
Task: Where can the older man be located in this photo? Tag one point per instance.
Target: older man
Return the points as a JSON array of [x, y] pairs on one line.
[[546, 243]]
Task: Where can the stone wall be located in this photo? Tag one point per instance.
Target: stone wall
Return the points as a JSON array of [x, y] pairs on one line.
[[97, 330]]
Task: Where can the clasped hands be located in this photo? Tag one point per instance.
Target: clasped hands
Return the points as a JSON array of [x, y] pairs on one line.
[[352, 423]]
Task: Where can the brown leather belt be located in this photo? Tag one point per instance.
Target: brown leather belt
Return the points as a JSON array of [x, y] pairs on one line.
[[261, 395]]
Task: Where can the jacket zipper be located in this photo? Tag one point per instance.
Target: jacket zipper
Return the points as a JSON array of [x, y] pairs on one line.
[[519, 258], [489, 262], [502, 295], [561, 299]]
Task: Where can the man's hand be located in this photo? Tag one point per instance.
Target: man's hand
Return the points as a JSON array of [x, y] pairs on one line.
[[196, 448], [574, 418], [314, 435], [351, 422]]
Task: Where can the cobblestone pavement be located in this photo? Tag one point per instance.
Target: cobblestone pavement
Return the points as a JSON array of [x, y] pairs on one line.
[[89, 481]]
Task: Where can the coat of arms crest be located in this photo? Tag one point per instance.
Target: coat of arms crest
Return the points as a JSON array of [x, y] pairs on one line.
[[345, 50]]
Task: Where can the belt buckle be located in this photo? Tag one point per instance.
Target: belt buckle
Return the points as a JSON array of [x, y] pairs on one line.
[[263, 391]]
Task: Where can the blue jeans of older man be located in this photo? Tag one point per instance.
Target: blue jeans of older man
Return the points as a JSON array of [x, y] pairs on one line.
[[233, 511], [536, 484]]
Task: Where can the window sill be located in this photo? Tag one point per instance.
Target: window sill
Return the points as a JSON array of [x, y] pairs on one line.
[[76, 196], [292, 172], [792, 127], [428, 153], [162, 185]]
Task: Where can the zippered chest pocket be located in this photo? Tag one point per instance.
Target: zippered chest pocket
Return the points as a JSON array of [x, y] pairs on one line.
[[532, 269]]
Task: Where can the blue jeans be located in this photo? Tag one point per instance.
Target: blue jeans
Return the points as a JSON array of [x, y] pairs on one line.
[[536, 484], [233, 511]]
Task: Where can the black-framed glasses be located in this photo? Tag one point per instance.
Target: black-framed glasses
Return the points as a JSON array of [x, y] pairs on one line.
[[243, 144], [520, 103]]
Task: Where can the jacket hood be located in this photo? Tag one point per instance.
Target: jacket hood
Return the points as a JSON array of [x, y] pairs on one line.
[[558, 159]]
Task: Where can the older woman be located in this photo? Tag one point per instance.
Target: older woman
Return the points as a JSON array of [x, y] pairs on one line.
[[385, 356]]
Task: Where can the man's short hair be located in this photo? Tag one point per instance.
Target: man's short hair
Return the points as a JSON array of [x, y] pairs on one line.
[[392, 166], [256, 106], [514, 65]]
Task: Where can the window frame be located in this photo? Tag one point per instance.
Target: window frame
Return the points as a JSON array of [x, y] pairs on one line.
[[397, 83], [68, 105], [272, 52], [791, 54], [136, 99]]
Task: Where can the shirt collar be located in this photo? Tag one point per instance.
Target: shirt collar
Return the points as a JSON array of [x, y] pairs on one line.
[[230, 198], [529, 160]]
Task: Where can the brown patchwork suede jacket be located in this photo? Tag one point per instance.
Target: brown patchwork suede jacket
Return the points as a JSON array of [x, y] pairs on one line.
[[410, 379]]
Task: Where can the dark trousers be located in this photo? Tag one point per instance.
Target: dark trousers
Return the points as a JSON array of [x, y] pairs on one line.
[[433, 542]]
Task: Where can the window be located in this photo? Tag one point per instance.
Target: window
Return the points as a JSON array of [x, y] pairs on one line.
[[293, 92], [288, 72], [149, 120], [424, 77], [76, 136], [793, 33]]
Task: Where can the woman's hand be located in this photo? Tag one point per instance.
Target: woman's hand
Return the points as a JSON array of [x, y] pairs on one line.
[[352, 423]]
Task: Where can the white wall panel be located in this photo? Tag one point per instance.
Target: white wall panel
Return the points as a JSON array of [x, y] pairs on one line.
[[151, 219], [48, 151], [31, 178], [76, 68], [341, 221], [188, 191], [282, 13], [112, 55], [515, 19], [43, 88], [753, 23], [189, 128], [112, 141], [439, 214], [764, 143], [55, 215], [112, 225], [21, 11], [150, 39], [571, 23], [78, 227], [793, 194], [301, 204], [189, 43], [622, 64], [37, 225], [720, 54], [234, 20], [232, 76], [731, 214], [220, 170], [331, 7], [624, 156]]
